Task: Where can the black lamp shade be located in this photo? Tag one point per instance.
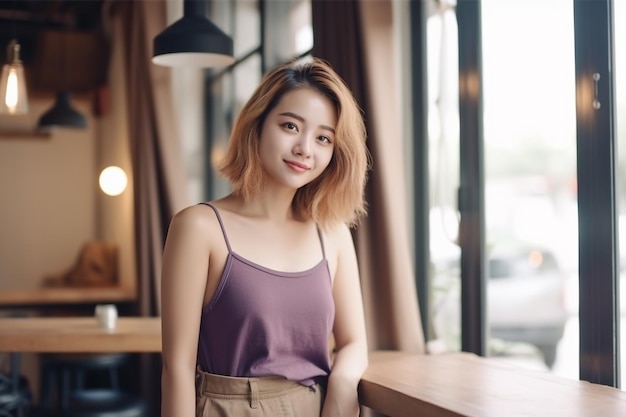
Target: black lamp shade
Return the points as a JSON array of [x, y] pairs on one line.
[[193, 41], [61, 115]]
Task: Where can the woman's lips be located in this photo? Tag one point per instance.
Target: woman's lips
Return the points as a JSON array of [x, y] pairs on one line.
[[297, 166]]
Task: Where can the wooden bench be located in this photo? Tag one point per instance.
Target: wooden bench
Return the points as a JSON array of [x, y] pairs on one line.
[[399, 384]]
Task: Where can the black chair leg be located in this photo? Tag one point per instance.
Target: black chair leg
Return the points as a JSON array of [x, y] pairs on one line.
[[47, 384], [65, 389]]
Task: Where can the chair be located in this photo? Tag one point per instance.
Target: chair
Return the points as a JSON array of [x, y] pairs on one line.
[[77, 398], [15, 396]]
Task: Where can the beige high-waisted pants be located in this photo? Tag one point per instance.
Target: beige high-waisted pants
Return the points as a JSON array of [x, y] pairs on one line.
[[223, 396]]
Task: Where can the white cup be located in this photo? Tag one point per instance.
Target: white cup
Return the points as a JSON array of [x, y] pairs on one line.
[[106, 315]]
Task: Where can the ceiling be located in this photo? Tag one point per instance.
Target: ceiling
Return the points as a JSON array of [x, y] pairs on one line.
[[58, 35]]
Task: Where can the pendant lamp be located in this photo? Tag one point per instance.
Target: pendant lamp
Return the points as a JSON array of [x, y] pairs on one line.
[[193, 41], [13, 96], [61, 115]]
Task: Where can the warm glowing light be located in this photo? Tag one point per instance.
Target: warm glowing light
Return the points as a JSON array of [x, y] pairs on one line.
[[11, 96], [113, 180]]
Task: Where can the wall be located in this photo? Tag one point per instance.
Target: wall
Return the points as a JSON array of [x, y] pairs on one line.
[[47, 206]]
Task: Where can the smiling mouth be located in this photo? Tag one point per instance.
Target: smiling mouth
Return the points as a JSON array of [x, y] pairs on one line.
[[296, 166]]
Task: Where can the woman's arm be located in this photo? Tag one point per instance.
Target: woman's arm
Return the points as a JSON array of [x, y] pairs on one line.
[[183, 283], [349, 332]]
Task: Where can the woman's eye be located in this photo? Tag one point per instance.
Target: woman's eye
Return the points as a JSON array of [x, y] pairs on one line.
[[290, 126], [324, 139]]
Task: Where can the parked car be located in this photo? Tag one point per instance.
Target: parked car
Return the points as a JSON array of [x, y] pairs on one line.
[[525, 296]]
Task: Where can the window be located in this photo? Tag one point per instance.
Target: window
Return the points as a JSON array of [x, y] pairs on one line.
[[265, 34], [530, 182]]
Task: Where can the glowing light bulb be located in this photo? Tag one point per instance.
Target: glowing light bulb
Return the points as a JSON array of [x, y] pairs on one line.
[[113, 180], [11, 96], [14, 99]]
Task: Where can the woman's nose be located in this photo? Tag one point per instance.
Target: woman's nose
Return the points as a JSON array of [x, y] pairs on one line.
[[302, 146]]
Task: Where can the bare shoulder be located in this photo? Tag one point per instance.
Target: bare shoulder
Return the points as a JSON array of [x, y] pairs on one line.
[[197, 219]]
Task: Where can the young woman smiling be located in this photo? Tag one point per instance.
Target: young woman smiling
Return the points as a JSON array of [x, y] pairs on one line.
[[261, 301]]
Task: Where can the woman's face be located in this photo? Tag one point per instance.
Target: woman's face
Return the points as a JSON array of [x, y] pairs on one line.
[[297, 139]]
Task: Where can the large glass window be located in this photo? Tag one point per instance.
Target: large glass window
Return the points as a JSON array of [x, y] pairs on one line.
[[530, 182], [443, 138]]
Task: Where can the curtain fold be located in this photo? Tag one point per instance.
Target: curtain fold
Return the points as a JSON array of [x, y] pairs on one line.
[[158, 175], [160, 185], [356, 38]]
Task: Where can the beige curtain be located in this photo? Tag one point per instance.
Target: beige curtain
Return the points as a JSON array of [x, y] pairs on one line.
[[160, 185], [356, 38], [158, 174]]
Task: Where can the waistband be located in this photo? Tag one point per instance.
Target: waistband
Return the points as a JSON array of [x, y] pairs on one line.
[[267, 385], [252, 389]]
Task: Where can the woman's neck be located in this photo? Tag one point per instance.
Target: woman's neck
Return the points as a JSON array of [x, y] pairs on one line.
[[274, 207]]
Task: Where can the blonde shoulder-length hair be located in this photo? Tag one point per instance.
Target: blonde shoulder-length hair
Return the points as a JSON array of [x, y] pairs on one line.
[[337, 195]]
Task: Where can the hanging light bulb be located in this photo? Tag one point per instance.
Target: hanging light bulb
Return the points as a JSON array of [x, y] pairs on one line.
[[13, 97], [193, 41]]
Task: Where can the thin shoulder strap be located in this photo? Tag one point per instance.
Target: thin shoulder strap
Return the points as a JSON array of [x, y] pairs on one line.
[[219, 219], [319, 233]]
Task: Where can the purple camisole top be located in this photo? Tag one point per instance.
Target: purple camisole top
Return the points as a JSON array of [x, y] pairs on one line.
[[262, 322]]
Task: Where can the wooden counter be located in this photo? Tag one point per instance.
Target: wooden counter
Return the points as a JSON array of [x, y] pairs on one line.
[[401, 384], [82, 334]]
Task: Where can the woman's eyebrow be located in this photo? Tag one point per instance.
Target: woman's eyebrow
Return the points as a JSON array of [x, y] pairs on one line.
[[301, 119], [290, 114]]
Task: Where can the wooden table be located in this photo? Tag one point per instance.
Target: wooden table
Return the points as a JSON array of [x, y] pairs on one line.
[[402, 384], [74, 334], [79, 334]]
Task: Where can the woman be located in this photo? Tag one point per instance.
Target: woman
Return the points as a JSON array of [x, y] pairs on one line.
[[255, 285]]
